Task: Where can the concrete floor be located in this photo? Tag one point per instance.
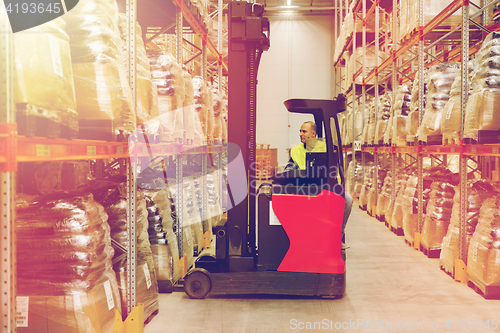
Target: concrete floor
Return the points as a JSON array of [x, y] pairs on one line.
[[389, 285]]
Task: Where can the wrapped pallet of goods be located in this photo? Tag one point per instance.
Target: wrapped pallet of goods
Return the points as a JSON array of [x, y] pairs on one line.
[[400, 116], [372, 200], [478, 190], [113, 196], [103, 96], [65, 279], [201, 100], [413, 117], [45, 92], [483, 264], [439, 80], [451, 119], [483, 114], [192, 125], [384, 197], [410, 205], [354, 177], [367, 185], [383, 116], [224, 116], [146, 91], [169, 78], [395, 208], [369, 125], [437, 218], [217, 109]]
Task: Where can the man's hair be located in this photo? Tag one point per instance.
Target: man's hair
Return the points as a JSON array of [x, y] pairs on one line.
[[312, 124]]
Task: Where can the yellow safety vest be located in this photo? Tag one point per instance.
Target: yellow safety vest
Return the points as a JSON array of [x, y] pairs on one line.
[[298, 152]]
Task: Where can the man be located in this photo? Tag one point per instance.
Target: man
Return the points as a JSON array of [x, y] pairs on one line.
[[310, 143]]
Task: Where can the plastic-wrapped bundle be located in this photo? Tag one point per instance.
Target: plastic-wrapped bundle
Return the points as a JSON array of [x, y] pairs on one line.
[[413, 116], [384, 113], [395, 208], [358, 126], [217, 110], [113, 197], [483, 112], [210, 115], [64, 268], [147, 94], [439, 80], [401, 111], [44, 87], [370, 63], [483, 265], [438, 215], [372, 201], [202, 100], [192, 126], [367, 185], [477, 192], [224, 116], [369, 126], [452, 112], [169, 77], [103, 95], [384, 196]]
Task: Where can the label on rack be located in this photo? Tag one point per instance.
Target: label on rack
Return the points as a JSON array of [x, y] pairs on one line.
[[22, 303], [474, 251], [56, 55], [495, 150], [357, 145], [42, 150], [162, 150], [145, 150], [474, 150], [147, 275], [109, 295], [273, 219], [91, 150], [119, 150]]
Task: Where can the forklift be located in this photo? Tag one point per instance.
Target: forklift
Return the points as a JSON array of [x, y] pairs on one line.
[[284, 237]]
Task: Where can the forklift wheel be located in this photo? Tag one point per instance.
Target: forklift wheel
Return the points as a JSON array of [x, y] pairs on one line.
[[197, 283]]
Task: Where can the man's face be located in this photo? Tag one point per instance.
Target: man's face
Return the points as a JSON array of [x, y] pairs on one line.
[[306, 132]]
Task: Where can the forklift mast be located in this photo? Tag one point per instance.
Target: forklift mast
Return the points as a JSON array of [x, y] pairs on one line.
[[248, 38]]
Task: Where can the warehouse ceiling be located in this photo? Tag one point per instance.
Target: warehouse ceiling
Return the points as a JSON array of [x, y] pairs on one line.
[[298, 7]]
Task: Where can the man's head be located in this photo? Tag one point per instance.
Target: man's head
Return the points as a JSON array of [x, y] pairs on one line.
[[307, 131]]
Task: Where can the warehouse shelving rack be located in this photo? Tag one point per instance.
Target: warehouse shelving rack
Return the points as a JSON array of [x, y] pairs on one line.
[[16, 149], [458, 41]]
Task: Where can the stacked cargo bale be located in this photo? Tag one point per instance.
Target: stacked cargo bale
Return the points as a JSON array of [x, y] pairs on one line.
[[383, 116], [482, 112], [354, 177], [438, 213], [192, 126], [367, 185], [202, 100], [451, 120], [217, 108], [113, 196], [483, 265], [400, 117], [413, 117], [65, 277], [395, 208], [45, 94], [478, 190], [224, 115], [369, 125], [103, 96], [384, 197], [439, 80], [169, 77], [358, 126], [410, 205], [372, 201], [146, 90]]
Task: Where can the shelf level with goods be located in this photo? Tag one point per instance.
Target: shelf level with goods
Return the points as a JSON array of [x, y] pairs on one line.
[[436, 41]]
